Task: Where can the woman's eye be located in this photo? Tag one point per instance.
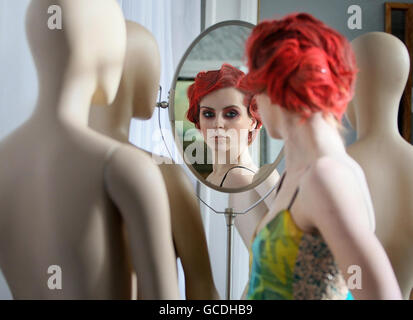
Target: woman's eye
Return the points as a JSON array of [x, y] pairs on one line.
[[231, 114], [208, 114]]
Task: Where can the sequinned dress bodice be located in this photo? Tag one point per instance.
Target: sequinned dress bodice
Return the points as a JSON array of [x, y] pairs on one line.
[[287, 263]]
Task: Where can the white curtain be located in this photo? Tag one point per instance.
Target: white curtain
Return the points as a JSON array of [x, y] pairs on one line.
[[18, 80], [175, 24]]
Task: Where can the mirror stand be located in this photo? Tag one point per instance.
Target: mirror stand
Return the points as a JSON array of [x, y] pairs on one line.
[[229, 218]]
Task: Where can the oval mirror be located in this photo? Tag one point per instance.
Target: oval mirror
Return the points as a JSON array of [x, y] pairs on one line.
[[216, 127]]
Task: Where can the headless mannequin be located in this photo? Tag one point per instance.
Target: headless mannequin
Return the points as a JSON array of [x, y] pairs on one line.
[[68, 190], [384, 155], [136, 98]]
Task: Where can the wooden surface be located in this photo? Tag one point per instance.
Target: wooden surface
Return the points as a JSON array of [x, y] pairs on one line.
[[405, 108]]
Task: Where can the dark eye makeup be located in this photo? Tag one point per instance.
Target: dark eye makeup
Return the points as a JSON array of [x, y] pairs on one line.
[[230, 112], [208, 113]]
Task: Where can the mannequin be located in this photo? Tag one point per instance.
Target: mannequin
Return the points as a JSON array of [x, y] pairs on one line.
[[384, 155], [136, 97], [67, 190]]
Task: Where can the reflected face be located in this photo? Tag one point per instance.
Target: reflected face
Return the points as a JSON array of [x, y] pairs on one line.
[[224, 121]]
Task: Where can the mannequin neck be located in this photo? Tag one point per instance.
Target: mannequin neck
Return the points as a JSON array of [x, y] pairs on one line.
[[64, 100], [377, 119], [114, 120]]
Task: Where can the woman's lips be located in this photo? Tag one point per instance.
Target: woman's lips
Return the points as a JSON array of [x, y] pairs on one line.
[[220, 137]]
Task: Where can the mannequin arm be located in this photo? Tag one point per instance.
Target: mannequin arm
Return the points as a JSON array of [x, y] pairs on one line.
[[188, 234], [336, 208], [140, 195]]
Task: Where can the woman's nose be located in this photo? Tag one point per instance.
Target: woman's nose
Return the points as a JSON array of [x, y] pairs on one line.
[[219, 121]]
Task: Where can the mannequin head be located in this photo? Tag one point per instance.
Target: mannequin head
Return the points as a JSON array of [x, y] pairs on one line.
[[141, 73], [93, 58], [383, 61], [219, 110], [298, 66]]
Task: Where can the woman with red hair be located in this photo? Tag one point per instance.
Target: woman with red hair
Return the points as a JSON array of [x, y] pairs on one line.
[[317, 241], [228, 121]]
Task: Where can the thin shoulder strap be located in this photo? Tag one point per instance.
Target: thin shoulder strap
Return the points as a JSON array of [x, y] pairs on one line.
[[293, 198], [223, 179], [281, 182], [295, 193]]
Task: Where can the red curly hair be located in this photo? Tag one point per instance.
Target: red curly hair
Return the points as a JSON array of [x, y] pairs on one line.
[[303, 65], [209, 81]]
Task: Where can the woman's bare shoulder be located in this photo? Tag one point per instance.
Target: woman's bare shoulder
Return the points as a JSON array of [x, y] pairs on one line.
[[335, 186], [238, 178]]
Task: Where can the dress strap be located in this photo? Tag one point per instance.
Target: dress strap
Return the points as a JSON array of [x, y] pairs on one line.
[[293, 199], [223, 179], [281, 182], [295, 193]]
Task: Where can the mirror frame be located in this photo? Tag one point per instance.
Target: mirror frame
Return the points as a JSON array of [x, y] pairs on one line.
[[171, 111]]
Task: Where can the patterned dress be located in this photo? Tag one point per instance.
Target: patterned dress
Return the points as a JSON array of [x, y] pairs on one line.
[[286, 263]]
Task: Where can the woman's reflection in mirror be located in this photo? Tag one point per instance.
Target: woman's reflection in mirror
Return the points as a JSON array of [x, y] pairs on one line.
[[228, 121]]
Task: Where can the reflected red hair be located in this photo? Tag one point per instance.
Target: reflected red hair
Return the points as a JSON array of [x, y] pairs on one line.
[[303, 65], [209, 81]]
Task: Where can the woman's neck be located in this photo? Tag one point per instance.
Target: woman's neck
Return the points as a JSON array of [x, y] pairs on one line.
[[244, 159], [305, 142]]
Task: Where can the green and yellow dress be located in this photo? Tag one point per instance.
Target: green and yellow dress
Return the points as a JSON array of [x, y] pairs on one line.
[[287, 263]]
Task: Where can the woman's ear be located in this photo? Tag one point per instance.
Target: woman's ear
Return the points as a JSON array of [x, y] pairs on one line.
[[253, 124]]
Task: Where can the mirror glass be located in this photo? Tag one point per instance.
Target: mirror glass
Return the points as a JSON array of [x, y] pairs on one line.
[[216, 126]]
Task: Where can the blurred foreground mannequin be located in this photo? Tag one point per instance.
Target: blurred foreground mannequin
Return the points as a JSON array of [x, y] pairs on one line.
[[67, 191], [384, 155], [136, 98]]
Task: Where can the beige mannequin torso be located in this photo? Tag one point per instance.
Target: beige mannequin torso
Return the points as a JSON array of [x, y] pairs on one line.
[[387, 164], [67, 192], [384, 155], [41, 226], [136, 97]]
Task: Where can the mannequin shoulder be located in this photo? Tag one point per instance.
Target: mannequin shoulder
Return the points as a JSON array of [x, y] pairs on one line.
[[130, 167], [172, 173]]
